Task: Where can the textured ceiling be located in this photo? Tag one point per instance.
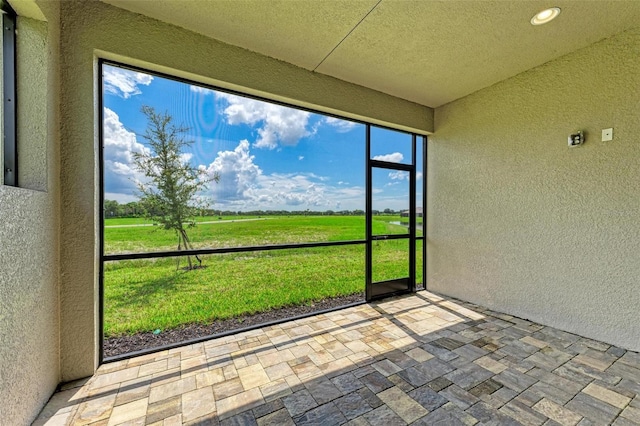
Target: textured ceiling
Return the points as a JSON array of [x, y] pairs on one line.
[[429, 52]]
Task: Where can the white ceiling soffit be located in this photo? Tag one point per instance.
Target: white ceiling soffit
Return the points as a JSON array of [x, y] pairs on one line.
[[429, 52]]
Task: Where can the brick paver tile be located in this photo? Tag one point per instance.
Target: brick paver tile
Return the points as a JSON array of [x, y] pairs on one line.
[[246, 418], [347, 383], [515, 380], [383, 416], [127, 412], [557, 413], [490, 364], [419, 354], [209, 378], [376, 382], [172, 389], [487, 387], [164, 409], [469, 375], [593, 408], [275, 389], [175, 420], [533, 341], [230, 372], [227, 388], [459, 396], [240, 402], [118, 376], [598, 364], [268, 408], [132, 393], [631, 358], [273, 358], [386, 367], [403, 405], [522, 413], [337, 367], [487, 415], [193, 365], [631, 413], [305, 370], [322, 390], [153, 367], [279, 371], [428, 398], [197, 403], [253, 376], [95, 409], [352, 405], [299, 402], [327, 414], [280, 418], [606, 395]]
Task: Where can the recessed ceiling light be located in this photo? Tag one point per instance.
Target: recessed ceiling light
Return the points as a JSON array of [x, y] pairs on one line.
[[545, 16]]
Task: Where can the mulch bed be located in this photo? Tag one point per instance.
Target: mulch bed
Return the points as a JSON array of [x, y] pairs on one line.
[[125, 344]]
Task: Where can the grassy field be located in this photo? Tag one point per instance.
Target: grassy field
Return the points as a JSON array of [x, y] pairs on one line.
[[122, 237], [147, 295]]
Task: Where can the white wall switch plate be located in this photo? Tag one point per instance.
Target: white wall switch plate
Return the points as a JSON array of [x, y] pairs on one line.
[[607, 134]]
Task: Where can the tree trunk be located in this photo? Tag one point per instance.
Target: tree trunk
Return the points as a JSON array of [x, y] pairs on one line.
[[179, 248], [188, 244]]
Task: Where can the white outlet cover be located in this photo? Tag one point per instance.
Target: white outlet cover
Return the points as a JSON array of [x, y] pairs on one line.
[[607, 134]]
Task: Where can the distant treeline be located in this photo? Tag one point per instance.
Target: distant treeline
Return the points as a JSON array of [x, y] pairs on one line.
[[134, 209]]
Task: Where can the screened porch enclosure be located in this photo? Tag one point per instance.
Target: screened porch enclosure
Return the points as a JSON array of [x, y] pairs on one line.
[[295, 212]]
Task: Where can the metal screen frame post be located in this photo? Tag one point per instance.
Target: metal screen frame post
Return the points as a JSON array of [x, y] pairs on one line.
[[100, 215], [424, 211], [368, 219], [412, 216]]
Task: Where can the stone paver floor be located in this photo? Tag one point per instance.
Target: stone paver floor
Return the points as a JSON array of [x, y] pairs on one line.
[[420, 359]]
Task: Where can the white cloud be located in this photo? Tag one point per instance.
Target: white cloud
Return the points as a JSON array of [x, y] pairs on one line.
[[123, 82], [120, 175], [237, 173], [200, 89], [243, 186], [286, 190], [341, 126], [301, 157], [320, 178], [399, 175], [395, 157], [278, 125], [120, 198], [186, 157]]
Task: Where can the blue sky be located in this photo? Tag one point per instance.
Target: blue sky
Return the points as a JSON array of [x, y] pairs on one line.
[[268, 157]]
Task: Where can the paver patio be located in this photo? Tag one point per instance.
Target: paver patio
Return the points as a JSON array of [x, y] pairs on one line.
[[421, 359]]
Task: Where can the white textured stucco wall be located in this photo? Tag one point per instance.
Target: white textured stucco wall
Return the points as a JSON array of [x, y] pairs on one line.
[[29, 306], [92, 29], [521, 223]]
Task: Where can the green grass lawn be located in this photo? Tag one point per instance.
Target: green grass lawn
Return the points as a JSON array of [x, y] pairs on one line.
[[227, 233], [145, 295], [119, 221]]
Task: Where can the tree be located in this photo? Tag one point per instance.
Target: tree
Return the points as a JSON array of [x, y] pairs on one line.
[[169, 193], [110, 208]]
